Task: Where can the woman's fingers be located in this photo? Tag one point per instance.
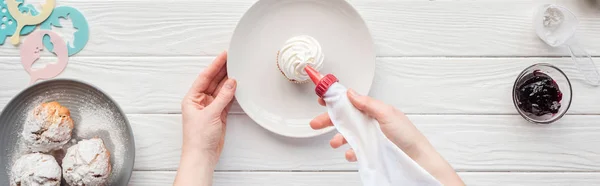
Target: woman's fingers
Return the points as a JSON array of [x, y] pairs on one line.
[[321, 121], [219, 86], [215, 82], [225, 112], [350, 155], [372, 107], [337, 141], [224, 97], [321, 102], [205, 78]]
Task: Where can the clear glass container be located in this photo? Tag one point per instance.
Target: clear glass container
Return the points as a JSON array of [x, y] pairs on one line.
[[561, 80]]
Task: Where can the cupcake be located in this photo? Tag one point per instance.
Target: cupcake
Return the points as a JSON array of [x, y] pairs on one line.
[[48, 127], [87, 163], [298, 52]]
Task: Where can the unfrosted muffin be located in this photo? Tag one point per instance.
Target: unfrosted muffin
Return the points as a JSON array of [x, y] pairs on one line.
[[48, 127], [296, 53], [87, 163], [35, 169]]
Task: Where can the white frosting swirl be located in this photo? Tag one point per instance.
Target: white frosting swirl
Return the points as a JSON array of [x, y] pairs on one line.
[[298, 52]]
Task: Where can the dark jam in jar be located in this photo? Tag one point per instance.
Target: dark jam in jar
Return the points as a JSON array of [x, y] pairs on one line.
[[538, 94]]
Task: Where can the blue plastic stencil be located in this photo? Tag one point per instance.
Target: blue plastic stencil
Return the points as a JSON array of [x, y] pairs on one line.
[[9, 25], [81, 36]]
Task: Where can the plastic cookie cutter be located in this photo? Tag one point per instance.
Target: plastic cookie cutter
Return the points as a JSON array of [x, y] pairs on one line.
[[9, 25], [556, 26], [81, 36], [24, 19], [31, 50]]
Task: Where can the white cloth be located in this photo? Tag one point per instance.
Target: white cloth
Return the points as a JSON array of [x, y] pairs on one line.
[[380, 162]]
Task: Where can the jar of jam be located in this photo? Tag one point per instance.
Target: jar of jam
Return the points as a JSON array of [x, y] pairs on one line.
[[542, 93]]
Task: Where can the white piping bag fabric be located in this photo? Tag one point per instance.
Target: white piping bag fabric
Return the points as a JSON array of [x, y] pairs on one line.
[[380, 162]]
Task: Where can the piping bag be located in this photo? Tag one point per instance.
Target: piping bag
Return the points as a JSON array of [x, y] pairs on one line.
[[380, 162]]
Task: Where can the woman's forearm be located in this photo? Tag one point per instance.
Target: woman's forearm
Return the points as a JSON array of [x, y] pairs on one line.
[[195, 169], [428, 158]]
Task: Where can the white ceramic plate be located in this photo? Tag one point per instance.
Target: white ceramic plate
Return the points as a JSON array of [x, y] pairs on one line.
[[263, 92]]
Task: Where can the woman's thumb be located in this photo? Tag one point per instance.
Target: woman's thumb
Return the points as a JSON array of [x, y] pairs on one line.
[[370, 106], [225, 95]]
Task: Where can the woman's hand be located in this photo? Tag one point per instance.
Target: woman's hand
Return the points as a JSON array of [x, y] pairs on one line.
[[393, 123], [204, 111], [400, 130]]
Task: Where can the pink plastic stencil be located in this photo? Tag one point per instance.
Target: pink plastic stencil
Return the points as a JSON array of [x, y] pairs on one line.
[[27, 18], [32, 48]]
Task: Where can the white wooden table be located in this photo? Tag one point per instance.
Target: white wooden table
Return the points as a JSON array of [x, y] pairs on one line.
[[449, 64]]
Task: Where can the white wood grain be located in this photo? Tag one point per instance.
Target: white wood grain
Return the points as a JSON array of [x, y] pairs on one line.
[[399, 28], [162, 178], [415, 85], [467, 85], [468, 142]]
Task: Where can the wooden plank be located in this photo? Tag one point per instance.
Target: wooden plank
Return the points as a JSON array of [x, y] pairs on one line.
[[415, 85], [139, 84], [468, 85], [468, 142], [399, 28], [162, 178]]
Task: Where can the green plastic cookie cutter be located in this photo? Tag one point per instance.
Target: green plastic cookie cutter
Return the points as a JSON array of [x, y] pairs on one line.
[[81, 36], [8, 26]]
